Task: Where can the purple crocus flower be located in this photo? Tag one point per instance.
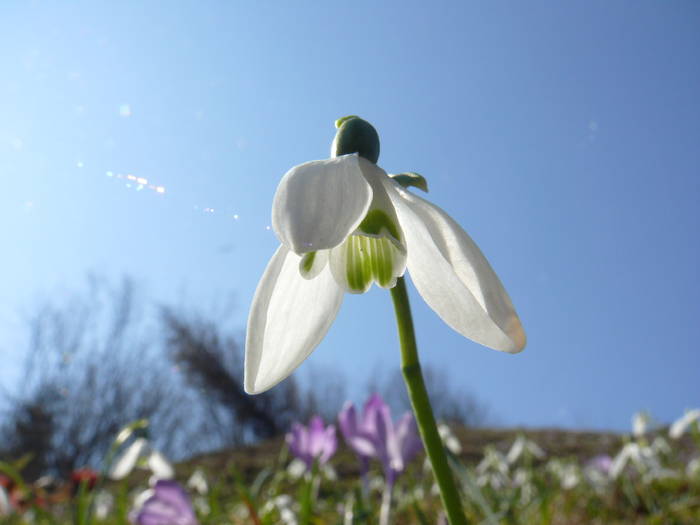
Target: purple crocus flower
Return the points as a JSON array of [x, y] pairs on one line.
[[358, 430], [317, 442], [168, 504], [601, 463], [375, 435]]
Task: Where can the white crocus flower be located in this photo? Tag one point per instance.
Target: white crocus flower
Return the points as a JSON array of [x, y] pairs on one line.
[[344, 224]]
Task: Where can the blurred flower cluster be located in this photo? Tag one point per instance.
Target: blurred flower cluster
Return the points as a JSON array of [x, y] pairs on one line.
[[646, 476]]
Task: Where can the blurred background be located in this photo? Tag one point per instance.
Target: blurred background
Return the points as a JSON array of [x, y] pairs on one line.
[[141, 145]]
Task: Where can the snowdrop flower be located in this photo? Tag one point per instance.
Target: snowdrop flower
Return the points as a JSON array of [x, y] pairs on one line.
[[167, 503], [566, 472], [198, 482], [315, 442], [449, 439], [523, 447], [644, 459], [660, 447], [104, 503], [681, 426], [141, 454], [493, 469], [284, 506], [523, 479], [640, 424], [450, 442], [631, 452], [344, 223]]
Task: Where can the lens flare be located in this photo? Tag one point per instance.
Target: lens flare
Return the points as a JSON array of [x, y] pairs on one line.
[[134, 181]]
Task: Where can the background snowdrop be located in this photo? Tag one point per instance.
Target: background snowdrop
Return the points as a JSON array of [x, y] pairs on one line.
[[681, 425], [140, 454]]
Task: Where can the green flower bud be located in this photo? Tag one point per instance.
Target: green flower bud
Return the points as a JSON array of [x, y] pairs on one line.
[[355, 135]]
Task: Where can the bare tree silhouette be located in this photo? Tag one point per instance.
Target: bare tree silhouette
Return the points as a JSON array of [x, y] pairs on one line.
[[92, 367]]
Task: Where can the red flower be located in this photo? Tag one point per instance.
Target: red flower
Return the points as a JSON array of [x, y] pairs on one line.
[[83, 476]]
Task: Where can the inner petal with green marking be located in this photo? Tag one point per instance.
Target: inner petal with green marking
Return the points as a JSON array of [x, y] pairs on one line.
[[363, 259]]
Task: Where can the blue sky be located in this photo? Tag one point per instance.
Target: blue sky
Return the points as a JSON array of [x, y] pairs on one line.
[[562, 136]]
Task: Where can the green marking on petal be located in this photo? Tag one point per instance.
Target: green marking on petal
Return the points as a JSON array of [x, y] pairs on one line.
[[357, 265], [369, 259], [307, 261], [411, 178], [311, 264], [376, 221], [384, 275]]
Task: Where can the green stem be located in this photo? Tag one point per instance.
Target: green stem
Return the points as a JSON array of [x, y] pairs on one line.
[[410, 366]]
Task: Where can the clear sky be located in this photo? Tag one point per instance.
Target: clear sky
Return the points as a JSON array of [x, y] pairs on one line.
[[563, 136]]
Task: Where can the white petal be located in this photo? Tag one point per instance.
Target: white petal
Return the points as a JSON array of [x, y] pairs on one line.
[[125, 463], [679, 427], [378, 181], [288, 319], [319, 203], [454, 277], [160, 467]]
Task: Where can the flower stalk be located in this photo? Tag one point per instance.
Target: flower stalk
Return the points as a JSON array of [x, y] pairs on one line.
[[417, 393], [385, 510]]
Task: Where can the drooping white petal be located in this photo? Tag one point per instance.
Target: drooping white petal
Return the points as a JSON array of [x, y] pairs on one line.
[[125, 463], [375, 251], [319, 203], [377, 179], [453, 276], [679, 426], [160, 466], [288, 319]]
